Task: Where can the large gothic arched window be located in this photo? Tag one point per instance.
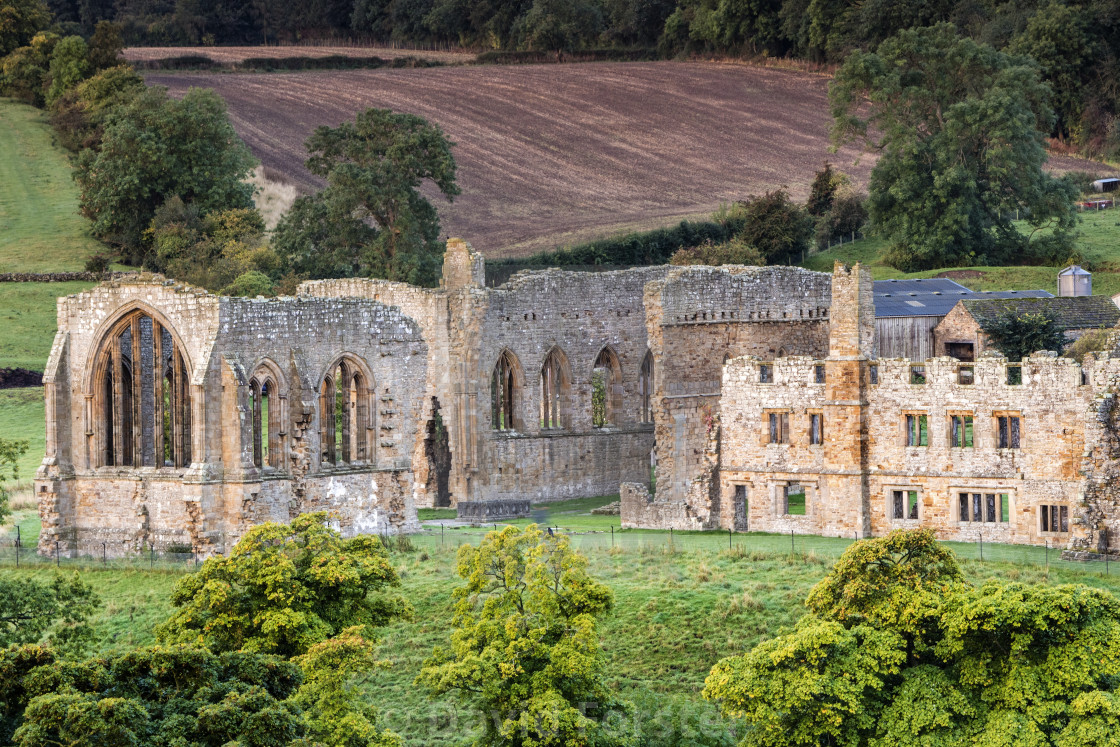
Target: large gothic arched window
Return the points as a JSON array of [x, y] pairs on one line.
[[141, 396], [266, 412], [555, 390], [344, 414], [505, 393], [606, 389]]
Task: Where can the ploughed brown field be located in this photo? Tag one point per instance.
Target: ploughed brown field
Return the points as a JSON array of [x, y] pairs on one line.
[[233, 55], [550, 155]]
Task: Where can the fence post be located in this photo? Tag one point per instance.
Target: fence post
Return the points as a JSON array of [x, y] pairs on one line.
[[57, 557], [18, 542], [981, 536], [104, 555], [729, 547], [151, 556], [441, 537], [792, 546], [612, 535], [1047, 555]]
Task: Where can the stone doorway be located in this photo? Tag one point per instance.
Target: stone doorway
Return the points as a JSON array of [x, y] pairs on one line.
[[739, 505], [438, 451]]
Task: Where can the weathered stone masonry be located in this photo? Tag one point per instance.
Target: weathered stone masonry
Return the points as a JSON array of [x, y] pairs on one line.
[[846, 445]]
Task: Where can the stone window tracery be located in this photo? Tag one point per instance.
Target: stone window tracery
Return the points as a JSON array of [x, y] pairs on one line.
[[266, 412], [505, 393], [606, 389], [555, 390], [344, 414], [141, 397]]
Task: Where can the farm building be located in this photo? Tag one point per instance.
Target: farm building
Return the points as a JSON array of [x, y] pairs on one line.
[[961, 333], [1108, 184], [908, 310]]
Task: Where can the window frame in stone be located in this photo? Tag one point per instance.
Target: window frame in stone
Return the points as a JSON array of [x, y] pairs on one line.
[[345, 414], [740, 516], [645, 389], [609, 413], [765, 373], [873, 374], [1008, 430], [982, 506], [506, 379], [777, 427], [785, 494], [139, 418], [918, 375], [963, 424], [816, 428], [966, 374], [912, 426], [1014, 374], [819, 373], [904, 502], [267, 429], [555, 391], [1049, 513]]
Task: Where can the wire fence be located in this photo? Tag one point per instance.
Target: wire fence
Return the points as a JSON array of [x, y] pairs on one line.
[[19, 550]]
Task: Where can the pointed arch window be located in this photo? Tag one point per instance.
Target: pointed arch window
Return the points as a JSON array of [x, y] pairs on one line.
[[266, 407], [606, 389], [645, 389], [141, 397], [344, 423], [505, 393], [555, 390]]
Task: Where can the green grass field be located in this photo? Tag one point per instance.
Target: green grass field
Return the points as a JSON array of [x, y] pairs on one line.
[[1099, 244], [22, 417], [28, 314], [676, 613], [40, 227]]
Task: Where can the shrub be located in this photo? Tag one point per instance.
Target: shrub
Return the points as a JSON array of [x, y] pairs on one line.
[[847, 216], [79, 115], [1018, 334], [250, 284], [99, 262], [68, 67], [733, 252], [778, 227], [1097, 341]]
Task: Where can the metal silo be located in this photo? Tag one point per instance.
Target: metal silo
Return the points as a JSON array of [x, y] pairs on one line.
[[1074, 281]]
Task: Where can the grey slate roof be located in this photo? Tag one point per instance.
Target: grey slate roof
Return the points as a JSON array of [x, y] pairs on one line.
[[897, 303], [1071, 312], [917, 285]]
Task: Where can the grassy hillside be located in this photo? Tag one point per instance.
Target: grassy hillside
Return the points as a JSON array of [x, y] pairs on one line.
[[28, 317], [22, 417], [40, 228], [676, 614], [1099, 244]]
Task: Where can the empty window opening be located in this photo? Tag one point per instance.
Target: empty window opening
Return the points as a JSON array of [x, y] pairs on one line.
[[344, 414], [555, 390], [1015, 375], [816, 428], [818, 373], [264, 405], [779, 427], [606, 390], [766, 374], [794, 500], [873, 374], [1053, 518], [917, 375], [142, 397], [986, 508], [905, 503], [966, 375], [1009, 431], [917, 430], [961, 431], [645, 389], [505, 390], [962, 351]]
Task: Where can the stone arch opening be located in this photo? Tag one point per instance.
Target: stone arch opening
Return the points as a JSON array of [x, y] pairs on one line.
[[437, 448], [141, 396], [505, 393], [606, 389], [266, 407], [645, 389], [344, 406], [556, 390]]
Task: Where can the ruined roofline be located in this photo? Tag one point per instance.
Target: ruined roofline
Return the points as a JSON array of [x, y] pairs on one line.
[[681, 271], [523, 278], [150, 279]]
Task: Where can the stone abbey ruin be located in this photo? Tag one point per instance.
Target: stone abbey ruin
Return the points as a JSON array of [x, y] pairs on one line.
[[179, 418]]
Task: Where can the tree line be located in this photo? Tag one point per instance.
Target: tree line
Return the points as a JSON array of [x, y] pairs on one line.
[[1074, 43]]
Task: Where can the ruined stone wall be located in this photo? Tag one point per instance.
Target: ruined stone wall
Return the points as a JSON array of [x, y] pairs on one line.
[[210, 502], [579, 314], [697, 318]]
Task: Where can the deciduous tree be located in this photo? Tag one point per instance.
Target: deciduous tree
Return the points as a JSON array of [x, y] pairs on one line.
[[960, 129], [284, 588], [525, 649], [1019, 333], [30, 609], [20, 20], [10, 452]]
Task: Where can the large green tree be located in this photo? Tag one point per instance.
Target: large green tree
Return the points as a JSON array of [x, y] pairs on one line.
[[959, 128], [898, 650], [155, 147], [10, 452], [284, 588], [525, 650], [30, 609], [371, 219]]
